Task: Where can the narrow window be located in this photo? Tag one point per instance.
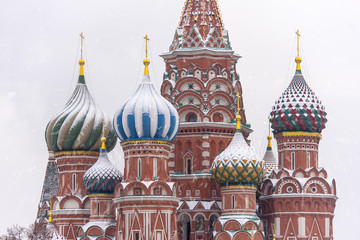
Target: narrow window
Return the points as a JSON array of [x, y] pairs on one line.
[[74, 182], [139, 167], [137, 237], [282, 160], [246, 202], [155, 167], [188, 166], [307, 159], [233, 202], [292, 160], [98, 208]]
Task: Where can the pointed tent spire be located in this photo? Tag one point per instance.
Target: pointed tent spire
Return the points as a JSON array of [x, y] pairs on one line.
[[204, 14], [82, 61], [298, 58]]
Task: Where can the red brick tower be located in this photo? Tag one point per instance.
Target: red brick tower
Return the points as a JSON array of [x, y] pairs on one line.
[[239, 171], [201, 81], [100, 180], [146, 201], [298, 201], [74, 135]]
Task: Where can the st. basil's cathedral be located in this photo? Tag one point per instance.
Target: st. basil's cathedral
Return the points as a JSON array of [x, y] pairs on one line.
[[190, 172]]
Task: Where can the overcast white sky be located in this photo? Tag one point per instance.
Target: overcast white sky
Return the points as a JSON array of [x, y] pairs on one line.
[[39, 50]]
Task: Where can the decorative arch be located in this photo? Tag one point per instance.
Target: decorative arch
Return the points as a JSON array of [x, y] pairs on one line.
[[300, 173], [184, 110], [188, 93], [222, 81], [228, 114], [242, 236], [288, 185], [232, 225], [317, 185], [70, 202], [165, 187], [222, 236], [130, 187], [188, 79]]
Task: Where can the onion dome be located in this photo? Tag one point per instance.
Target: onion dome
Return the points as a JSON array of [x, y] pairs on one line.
[[269, 158], [78, 125], [298, 108], [102, 177], [146, 115], [238, 164]]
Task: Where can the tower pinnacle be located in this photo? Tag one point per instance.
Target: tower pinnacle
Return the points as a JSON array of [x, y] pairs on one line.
[[269, 138], [238, 117], [298, 58], [81, 61], [146, 60], [202, 14]]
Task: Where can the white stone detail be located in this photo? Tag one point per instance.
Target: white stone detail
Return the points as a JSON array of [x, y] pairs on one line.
[[205, 154]]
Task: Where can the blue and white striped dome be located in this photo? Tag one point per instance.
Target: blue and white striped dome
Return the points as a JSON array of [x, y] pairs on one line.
[[146, 116]]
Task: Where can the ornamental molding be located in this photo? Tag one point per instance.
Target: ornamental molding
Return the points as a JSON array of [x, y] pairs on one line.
[[281, 185], [298, 134], [316, 182]]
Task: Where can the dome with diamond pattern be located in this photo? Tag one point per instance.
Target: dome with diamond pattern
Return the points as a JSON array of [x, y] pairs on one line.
[[298, 108], [102, 177], [238, 164]]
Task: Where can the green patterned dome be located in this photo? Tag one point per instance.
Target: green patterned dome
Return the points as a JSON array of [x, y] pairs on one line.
[[298, 108], [77, 127], [238, 164]]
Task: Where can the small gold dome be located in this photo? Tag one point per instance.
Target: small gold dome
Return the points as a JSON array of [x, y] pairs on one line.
[[82, 62]]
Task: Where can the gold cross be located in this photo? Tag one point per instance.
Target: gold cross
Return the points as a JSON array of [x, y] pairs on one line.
[[146, 45], [298, 41], [82, 38], [238, 103], [103, 128]]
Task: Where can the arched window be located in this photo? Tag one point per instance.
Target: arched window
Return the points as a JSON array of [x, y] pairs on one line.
[[307, 159], [185, 227], [98, 208], [188, 166], [213, 219], [282, 160], [191, 71], [191, 117], [155, 167], [74, 182], [218, 117], [233, 202], [200, 223], [139, 167], [293, 160], [246, 202], [218, 71]]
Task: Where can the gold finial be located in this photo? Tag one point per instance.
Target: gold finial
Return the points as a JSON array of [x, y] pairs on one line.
[[298, 58], [238, 117], [82, 61], [103, 139], [146, 61], [50, 213], [274, 234], [269, 136]]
